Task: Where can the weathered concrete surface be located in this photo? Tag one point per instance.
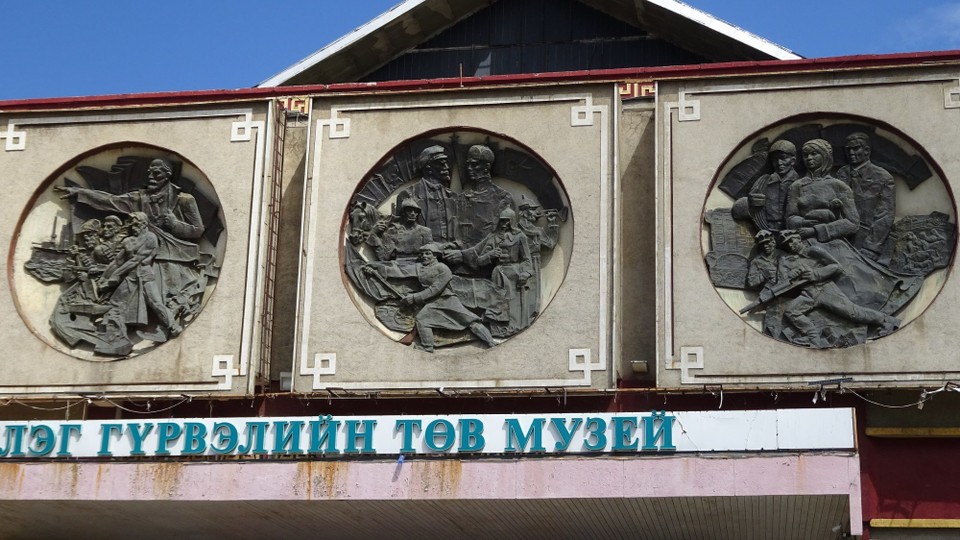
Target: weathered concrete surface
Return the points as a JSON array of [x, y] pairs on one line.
[[734, 112]]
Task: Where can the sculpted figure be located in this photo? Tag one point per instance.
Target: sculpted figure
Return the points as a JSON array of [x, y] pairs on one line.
[[873, 192], [432, 192], [441, 309], [401, 240], [762, 274], [173, 217], [812, 270], [763, 267], [84, 267], [166, 208], [110, 236], [539, 239], [507, 248], [481, 279], [85, 254], [819, 205], [133, 276], [766, 203], [481, 202], [127, 282], [849, 266]]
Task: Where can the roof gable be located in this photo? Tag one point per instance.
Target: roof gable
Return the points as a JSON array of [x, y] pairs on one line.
[[436, 38]]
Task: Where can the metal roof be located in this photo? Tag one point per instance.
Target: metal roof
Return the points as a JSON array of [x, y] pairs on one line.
[[698, 71], [413, 21]]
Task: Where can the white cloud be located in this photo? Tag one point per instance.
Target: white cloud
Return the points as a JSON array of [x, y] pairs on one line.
[[933, 28]]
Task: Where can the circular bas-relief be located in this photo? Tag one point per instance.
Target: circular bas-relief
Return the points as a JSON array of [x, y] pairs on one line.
[[828, 235], [119, 251], [456, 238]]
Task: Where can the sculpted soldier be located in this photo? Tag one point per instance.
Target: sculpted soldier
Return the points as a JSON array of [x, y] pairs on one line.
[[481, 202], [507, 248], [763, 267], [812, 271], [873, 192], [762, 274], [538, 239], [441, 308], [401, 240], [479, 209], [850, 265], [437, 202], [480, 278], [766, 203]]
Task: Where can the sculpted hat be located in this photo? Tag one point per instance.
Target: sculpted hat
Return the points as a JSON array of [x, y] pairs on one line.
[[526, 203], [859, 137], [784, 146], [821, 145], [429, 154], [90, 226], [432, 247]]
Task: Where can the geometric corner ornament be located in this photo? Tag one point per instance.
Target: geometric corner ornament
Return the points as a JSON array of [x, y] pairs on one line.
[[815, 235], [582, 115], [242, 130], [324, 364], [581, 360], [690, 358], [688, 110], [119, 252], [456, 239], [223, 366], [951, 97], [339, 127], [14, 140]]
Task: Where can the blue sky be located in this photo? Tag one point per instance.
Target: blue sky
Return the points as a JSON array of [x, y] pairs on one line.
[[56, 48]]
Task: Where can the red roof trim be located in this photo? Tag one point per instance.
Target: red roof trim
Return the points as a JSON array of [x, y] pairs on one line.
[[607, 75]]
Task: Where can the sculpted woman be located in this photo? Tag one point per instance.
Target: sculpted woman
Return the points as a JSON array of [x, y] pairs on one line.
[[819, 205]]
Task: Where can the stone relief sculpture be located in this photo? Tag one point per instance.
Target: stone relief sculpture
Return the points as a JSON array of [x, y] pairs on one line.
[[818, 245], [135, 259], [448, 242]]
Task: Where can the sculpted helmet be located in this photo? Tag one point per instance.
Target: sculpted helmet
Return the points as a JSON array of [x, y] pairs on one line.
[[509, 215], [410, 204], [787, 235], [764, 236], [481, 153], [527, 204]]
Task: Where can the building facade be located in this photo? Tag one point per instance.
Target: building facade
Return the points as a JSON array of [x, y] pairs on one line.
[[539, 270]]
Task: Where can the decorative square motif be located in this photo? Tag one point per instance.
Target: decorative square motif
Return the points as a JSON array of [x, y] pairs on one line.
[[15, 140], [223, 367]]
